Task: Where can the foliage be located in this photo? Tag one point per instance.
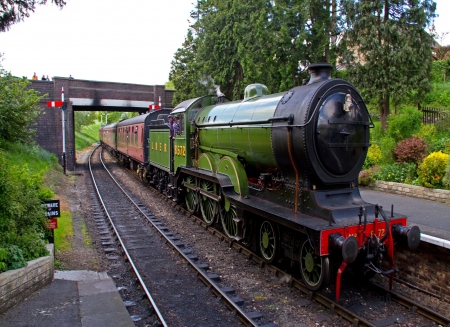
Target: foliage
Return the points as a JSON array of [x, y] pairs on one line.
[[22, 219], [393, 48], [387, 146], [443, 125], [440, 70], [364, 178], [429, 133], [11, 257], [373, 157], [443, 145], [3, 256], [236, 43], [186, 74], [396, 172], [83, 118], [432, 170], [169, 86], [411, 150], [446, 179], [13, 11], [18, 108], [87, 137], [439, 96], [405, 124]]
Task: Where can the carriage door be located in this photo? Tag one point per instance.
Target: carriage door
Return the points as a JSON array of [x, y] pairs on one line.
[[179, 152]]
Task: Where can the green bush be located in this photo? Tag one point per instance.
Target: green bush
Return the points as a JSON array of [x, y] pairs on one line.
[[446, 179], [396, 172], [19, 108], [443, 145], [432, 170], [429, 133], [387, 146], [404, 125], [439, 96], [13, 258], [22, 219]]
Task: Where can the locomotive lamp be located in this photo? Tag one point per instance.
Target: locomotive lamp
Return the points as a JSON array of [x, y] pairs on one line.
[[348, 105]]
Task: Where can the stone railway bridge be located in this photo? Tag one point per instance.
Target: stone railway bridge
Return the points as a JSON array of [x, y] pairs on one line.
[[84, 95]]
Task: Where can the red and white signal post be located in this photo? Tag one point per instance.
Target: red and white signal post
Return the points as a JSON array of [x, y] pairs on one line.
[[61, 104]]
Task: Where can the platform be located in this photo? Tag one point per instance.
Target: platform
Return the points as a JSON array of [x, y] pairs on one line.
[[433, 218], [77, 298]]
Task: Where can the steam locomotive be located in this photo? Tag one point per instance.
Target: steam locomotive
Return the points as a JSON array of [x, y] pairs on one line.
[[279, 172]]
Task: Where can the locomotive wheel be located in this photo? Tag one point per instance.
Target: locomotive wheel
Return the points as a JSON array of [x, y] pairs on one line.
[[268, 242], [228, 216], [208, 206], [191, 196], [315, 270]]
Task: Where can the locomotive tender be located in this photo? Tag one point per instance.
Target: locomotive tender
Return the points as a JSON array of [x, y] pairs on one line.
[[279, 171]]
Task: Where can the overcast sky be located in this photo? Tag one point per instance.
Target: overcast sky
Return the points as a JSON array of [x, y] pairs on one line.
[[129, 41]]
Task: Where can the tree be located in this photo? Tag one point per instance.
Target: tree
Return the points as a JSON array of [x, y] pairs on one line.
[[186, 73], [13, 11], [238, 42], [84, 118], [18, 108], [388, 50]]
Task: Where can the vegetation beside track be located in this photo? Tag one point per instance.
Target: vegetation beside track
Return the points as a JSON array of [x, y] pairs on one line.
[[23, 169], [87, 136]]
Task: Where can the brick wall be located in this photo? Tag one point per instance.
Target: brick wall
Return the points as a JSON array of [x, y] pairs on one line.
[[18, 284], [428, 268]]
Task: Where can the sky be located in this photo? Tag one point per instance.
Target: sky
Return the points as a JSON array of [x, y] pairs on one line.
[[126, 41], [130, 41]]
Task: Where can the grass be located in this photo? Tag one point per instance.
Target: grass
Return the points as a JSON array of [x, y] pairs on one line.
[[86, 237], [87, 136], [64, 232], [35, 158]]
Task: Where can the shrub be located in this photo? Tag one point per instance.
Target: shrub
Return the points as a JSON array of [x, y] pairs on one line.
[[373, 157], [404, 125], [387, 146], [14, 258], [22, 219], [443, 125], [365, 177], [443, 145], [431, 171], [396, 172], [411, 150], [428, 133], [446, 179], [19, 108]]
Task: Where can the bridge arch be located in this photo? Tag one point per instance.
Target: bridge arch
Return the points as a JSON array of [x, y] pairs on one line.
[[86, 95]]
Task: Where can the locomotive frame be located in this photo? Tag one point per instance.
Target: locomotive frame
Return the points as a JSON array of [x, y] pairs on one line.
[[278, 171]]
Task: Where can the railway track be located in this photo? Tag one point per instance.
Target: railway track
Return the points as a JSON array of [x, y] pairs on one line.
[[402, 310], [175, 294]]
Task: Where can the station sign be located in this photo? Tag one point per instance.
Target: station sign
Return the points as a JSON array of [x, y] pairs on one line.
[[53, 208], [51, 224]]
